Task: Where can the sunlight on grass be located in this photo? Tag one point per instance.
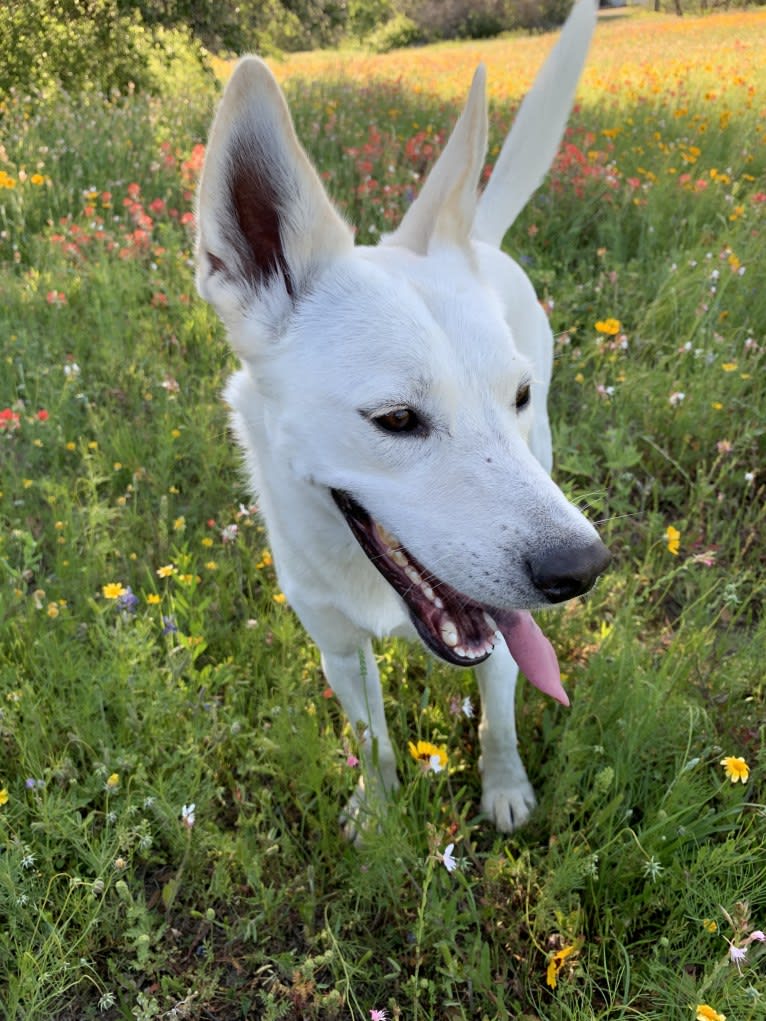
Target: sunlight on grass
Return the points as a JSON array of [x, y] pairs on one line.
[[172, 764]]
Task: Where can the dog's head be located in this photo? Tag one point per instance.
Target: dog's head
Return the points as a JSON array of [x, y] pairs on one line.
[[404, 379]]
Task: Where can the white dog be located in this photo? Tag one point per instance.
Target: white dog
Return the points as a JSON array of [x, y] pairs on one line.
[[392, 406]]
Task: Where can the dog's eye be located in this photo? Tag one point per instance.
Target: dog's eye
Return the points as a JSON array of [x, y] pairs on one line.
[[400, 420], [523, 395]]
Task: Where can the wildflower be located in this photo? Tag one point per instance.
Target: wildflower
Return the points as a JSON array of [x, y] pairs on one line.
[[352, 760], [653, 869], [555, 963], [756, 935], [709, 925], [71, 370], [112, 781], [735, 768], [280, 597], [9, 419], [128, 600], [749, 477], [706, 1013], [188, 817], [167, 571], [432, 759], [611, 327], [152, 599], [673, 537], [169, 626], [4, 796], [723, 447], [113, 590], [448, 859], [229, 533], [676, 398], [53, 610], [378, 1015], [737, 955]]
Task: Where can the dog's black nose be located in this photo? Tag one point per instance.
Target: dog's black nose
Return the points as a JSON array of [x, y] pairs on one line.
[[566, 572]]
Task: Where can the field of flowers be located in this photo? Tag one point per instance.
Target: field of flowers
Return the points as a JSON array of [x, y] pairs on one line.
[[171, 762]]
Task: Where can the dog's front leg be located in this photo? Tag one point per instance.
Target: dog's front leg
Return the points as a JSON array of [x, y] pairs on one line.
[[353, 676], [507, 795]]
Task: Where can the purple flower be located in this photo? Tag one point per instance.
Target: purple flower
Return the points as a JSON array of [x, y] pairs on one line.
[[128, 601], [169, 625]]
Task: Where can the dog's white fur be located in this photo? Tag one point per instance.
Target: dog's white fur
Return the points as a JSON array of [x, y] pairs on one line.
[[333, 338]]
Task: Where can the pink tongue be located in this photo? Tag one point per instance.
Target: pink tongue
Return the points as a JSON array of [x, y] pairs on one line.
[[533, 652]]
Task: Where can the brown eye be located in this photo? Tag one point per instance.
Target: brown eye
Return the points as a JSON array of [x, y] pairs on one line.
[[400, 420], [523, 395]]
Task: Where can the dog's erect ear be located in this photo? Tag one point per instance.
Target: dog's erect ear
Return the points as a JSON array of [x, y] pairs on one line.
[[444, 210], [265, 225], [531, 146]]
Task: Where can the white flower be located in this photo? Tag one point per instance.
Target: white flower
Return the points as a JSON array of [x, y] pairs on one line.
[[676, 398], [434, 764], [188, 817], [448, 859], [737, 956], [229, 533], [467, 707]]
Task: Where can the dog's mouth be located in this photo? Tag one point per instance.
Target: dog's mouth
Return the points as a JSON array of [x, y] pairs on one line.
[[456, 628]]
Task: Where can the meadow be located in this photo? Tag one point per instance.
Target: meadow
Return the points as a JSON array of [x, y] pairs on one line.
[[172, 764]]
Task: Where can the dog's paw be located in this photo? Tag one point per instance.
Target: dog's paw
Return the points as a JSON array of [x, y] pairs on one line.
[[507, 798]]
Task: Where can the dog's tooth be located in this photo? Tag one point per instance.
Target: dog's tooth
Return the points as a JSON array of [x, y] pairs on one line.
[[427, 591], [413, 575], [399, 558], [385, 536], [438, 603], [490, 622], [448, 632]]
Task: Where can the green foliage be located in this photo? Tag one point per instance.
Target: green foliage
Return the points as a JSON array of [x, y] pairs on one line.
[[78, 44], [397, 33]]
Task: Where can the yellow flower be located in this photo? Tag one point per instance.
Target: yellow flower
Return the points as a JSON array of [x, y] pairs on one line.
[[554, 965], [70, 446], [709, 925], [179, 524], [611, 327], [152, 599], [112, 781], [113, 590], [166, 571], [207, 541], [280, 598], [706, 1013], [729, 366], [4, 795], [53, 610], [674, 539], [432, 758], [211, 565], [735, 768], [37, 179]]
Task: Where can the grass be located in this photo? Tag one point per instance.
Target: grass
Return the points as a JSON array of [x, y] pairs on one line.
[[186, 681]]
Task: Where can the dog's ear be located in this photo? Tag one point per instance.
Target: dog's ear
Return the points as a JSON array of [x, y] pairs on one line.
[[265, 225], [445, 208], [531, 146]]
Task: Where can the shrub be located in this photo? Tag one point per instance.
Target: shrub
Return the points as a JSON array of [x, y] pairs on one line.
[[400, 31], [77, 43]]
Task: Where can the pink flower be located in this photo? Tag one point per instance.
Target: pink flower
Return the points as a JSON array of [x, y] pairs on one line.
[[352, 760], [378, 1015]]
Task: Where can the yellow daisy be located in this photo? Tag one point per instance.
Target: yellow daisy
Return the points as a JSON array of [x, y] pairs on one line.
[[735, 768]]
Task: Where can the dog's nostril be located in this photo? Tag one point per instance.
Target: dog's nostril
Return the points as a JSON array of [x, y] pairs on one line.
[[567, 572]]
